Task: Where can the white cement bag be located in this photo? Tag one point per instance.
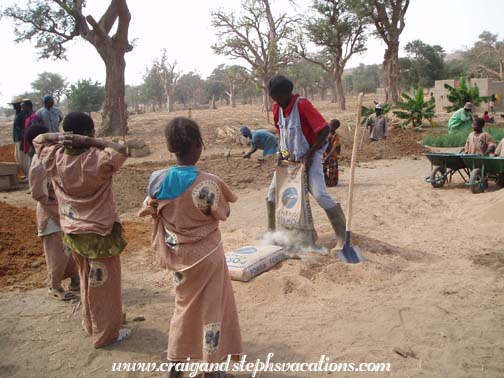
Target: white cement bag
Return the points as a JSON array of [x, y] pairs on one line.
[[247, 262], [293, 210]]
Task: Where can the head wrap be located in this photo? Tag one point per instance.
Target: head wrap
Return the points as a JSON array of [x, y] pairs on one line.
[[245, 131], [468, 106]]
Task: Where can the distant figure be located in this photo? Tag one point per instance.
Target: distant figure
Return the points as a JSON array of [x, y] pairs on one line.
[[330, 162], [260, 140], [31, 120], [378, 125], [17, 136], [487, 118], [461, 119], [479, 142], [491, 103], [50, 116]]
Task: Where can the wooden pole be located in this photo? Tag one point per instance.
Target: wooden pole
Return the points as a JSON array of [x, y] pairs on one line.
[[353, 163]]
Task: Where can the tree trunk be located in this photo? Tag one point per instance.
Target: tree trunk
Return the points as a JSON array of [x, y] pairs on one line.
[[338, 89], [232, 95], [114, 115], [212, 103], [169, 101], [323, 94], [266, 103], [333, 93], [392, 72]]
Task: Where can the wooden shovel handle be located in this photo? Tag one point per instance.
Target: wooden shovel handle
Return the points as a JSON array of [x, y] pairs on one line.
[[352, 164]]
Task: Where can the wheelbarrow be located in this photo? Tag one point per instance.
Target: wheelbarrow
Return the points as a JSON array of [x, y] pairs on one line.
[[444, 166], [484, 168]]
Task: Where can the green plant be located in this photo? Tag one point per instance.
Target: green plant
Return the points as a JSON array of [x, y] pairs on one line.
[[368, 112], [464, 93], [459, 139], [85, 96], [415, 109]]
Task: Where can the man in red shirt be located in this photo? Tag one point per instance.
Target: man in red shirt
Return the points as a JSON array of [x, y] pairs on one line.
[[303, 137]]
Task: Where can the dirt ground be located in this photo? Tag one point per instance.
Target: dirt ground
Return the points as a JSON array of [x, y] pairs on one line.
[[431, 283]]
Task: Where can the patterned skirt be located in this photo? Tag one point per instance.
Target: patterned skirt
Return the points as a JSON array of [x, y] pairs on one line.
[[331, 171]]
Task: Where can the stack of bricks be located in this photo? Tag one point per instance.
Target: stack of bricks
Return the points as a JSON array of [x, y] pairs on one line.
[[8, 176]]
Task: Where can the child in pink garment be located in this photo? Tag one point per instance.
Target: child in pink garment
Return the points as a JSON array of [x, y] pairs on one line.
[[81, 168], [59, 261], [187, 205]]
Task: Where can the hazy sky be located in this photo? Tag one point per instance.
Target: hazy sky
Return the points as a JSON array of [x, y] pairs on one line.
[[184, 29]]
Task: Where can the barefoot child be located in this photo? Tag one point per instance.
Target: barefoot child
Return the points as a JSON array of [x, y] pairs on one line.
[[59, 261], [187, 205], [81, 168]]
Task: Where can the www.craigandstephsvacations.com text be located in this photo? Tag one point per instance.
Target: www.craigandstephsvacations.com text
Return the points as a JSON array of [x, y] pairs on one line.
[[255, 367]]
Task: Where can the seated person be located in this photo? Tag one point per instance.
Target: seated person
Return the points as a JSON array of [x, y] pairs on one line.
[[479, 142], [487, 118], [499, 151], [260, 140]]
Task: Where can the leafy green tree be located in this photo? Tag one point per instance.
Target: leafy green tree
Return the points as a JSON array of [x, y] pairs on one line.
[[458, 96], [305, 76], [366, 78], [151, 90], [191, 89], [54, 23], [52, 84], [86, 96], [423, 66], [340, 32], [414, 109]]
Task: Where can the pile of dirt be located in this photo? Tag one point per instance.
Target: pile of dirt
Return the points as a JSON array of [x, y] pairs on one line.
[[399, 143], [130, 183], [21, 254], [7, 153]]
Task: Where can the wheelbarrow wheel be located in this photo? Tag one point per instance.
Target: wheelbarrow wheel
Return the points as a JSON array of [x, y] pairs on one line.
[[500, 180], [478, 185], [437, 177]]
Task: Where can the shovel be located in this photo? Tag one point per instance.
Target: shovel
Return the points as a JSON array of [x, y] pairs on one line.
[[350, 254]]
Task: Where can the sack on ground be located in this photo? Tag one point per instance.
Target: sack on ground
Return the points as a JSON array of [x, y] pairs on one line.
[[247, 262]]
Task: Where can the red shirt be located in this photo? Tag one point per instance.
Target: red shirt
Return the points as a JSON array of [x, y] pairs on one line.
[[486, 118], [311, 120]]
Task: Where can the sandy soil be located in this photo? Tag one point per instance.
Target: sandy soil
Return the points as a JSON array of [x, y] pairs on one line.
[[431, 284]]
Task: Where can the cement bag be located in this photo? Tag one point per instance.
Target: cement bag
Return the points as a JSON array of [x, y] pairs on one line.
[[293, 211], [247, 262]]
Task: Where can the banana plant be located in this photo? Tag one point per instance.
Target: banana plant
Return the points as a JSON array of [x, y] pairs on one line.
[[462, 94], [414, 109]]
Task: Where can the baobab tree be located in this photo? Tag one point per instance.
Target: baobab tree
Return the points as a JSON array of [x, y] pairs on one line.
[[388, 19], [54, 23], [169, 77], [340, 31], [258, 37]]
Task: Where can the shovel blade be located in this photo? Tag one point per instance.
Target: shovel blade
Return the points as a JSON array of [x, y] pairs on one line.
[[350, 254]]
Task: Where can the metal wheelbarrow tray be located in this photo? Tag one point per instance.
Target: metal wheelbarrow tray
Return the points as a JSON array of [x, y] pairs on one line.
[[444, 166], [482, 168]]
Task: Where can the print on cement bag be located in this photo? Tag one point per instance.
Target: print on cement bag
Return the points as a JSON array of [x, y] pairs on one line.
[[247, 262], [293, 211]]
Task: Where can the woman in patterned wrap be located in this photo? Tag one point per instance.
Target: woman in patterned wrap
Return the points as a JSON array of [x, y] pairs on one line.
[[330, 162], [187, 206]]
